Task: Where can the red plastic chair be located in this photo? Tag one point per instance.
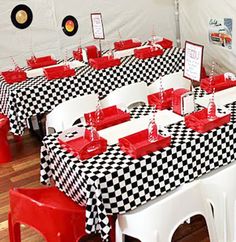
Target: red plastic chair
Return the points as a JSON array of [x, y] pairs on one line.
[[50, 212], [5, 153]]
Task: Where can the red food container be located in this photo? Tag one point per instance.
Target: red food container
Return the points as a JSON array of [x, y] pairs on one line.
[[81, 145], [137, 145], [218, 83], [34, 62], [14, 76], [58, 72], [164, 43], [178, 100], [198, 121], [104, 62], [126, 44], [147, 52], [155, 99], [78, 54], [111, 116]]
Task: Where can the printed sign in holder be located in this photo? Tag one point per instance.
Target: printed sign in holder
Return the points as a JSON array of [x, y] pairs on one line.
[[97, 27], [192, 70], [193, 61]]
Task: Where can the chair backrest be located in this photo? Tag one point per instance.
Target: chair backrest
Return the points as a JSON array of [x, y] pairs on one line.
[[34, 206], [219, 190], [127, 96], [173, 80], [65, 114], [175, 207]]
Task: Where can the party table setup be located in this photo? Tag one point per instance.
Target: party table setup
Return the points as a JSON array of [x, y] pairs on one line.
[[131, 170], [116, 125], [42, 89]]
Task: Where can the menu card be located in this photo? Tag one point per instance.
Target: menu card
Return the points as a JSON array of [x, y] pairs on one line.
[[97, 26], [193, 61]]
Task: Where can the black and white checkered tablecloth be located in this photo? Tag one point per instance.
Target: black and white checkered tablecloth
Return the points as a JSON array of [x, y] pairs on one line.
[[114, 183], [20, 101]]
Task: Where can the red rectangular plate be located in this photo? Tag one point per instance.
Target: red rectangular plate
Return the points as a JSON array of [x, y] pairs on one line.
[[14, 76], [147, 52], [218, 83], [58, 72], [111, 116], [126, 44], [165, 43], [198, 121], [41, 62], [137, 145], [155, 99], [104, 62], [82, 147]]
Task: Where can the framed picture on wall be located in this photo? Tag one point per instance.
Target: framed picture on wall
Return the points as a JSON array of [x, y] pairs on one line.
[[97, 26], [193, 61]]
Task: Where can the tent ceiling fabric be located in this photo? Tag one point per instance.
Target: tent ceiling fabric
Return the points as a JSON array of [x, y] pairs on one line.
[[194, 19], [134, 18]]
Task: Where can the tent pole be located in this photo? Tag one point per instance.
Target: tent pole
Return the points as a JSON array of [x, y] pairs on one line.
[[177, 23]]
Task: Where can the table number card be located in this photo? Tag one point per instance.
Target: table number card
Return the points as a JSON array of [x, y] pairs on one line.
[[97, 26], [193, 61]]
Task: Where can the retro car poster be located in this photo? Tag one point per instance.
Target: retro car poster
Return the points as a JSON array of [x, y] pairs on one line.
[[220, 32]]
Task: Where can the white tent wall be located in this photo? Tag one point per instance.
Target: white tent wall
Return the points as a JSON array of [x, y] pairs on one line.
[[133, 18], [194, 19], [41, 35]]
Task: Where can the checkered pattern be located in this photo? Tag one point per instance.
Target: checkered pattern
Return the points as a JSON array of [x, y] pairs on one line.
[[114, 183], [37, 95]]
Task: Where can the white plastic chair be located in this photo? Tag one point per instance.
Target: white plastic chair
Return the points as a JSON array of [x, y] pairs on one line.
[[65, 114], [127, 96], [219, 189], [157, 220], [173, 80]]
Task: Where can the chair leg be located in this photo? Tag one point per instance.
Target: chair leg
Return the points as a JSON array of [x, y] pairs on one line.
[[14, 230], [119, 235]]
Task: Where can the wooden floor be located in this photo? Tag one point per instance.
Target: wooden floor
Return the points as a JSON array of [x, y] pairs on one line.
[[23, 171]]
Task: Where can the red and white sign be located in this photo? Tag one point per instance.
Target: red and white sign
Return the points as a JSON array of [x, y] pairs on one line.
[[193, 61], [97, 26]]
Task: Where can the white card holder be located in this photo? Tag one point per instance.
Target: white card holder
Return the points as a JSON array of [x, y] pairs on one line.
[[84, 54], [188, 104]]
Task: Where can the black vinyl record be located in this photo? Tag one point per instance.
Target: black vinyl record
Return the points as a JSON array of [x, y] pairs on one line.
[[21, 16], [69, 25]]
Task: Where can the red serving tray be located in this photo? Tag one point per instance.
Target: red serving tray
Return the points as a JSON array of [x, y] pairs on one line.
[[78, 54], [111, 116], [165, 43], [218, 83], [147, 52], [137, 145], [104, 62], [34, 62], [155, 99], [198, 121], [126, 44], [14, 76], [58, 72], [82, 147]]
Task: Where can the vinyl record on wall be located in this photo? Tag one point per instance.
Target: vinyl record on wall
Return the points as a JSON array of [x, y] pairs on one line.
[[69, 25], [21, 16]]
